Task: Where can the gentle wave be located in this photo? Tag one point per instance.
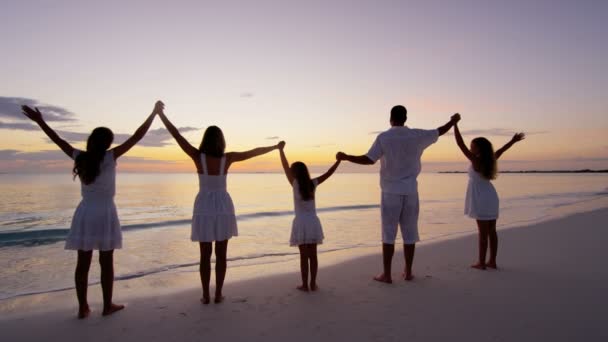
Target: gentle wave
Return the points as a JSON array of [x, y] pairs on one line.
[[31, 238], [165, 268]]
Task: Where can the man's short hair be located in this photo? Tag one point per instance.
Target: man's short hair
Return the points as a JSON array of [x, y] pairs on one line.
[[398, 115]]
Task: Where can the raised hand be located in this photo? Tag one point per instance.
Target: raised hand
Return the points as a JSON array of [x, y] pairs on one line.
[[33, 115], [281, 145], [455, 118], [340, 156], [518, 137], [159, 107]]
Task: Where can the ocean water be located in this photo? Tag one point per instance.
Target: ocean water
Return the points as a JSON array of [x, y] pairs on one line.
[[155, 212]]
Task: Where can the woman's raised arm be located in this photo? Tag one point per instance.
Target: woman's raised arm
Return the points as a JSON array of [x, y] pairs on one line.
[[36, 116], [139, 133], [285, 163], [190, 150]]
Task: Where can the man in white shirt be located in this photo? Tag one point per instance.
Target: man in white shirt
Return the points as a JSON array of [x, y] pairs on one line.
[[399, 150]]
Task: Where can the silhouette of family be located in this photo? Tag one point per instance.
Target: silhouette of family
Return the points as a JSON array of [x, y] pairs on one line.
[[95, 224]]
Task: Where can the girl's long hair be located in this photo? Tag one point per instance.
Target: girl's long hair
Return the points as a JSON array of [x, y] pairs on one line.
[[213, 143], [87, 164], [485, 163], [300, 172]]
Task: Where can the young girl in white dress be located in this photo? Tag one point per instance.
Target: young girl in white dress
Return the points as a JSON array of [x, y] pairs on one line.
[[481, 201], [213, 218], [306, 230], [95, 225]]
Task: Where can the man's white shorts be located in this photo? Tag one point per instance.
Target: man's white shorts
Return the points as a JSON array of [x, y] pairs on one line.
[[400, 210]]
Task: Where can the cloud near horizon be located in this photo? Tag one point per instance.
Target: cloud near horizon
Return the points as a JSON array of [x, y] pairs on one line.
[[10, 107], [59, 156], [154, 138]]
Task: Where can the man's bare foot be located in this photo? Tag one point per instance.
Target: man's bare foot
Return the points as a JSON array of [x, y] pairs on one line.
[[383, 279], [84, 312], [479, 266], [314, 287], [112, 309], [302, 288], [407, 277], [219, 299], [492, 265], [205, 300]]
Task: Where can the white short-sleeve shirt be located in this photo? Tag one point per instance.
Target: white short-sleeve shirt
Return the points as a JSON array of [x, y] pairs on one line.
[[399, 150]]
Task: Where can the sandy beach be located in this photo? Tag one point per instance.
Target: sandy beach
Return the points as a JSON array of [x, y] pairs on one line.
[[551, 286]]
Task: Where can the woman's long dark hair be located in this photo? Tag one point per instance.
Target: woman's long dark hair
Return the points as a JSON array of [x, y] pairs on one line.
[[300, 172], [485, 163], [213, 143], [87, 164]]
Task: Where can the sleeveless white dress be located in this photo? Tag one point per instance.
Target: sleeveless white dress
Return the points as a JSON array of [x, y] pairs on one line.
[[306, 227], [481, 202], [95, 223], [213, 218]]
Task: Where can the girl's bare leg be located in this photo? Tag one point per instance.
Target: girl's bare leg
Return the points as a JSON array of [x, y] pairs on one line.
[[106, 261], [81, 278], [206, 248], [303, 267], [314, 266], [483, 227], [493, 236], [221, 251]]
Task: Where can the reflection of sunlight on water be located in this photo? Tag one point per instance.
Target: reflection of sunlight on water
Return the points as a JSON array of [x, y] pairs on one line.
[[48, 201]]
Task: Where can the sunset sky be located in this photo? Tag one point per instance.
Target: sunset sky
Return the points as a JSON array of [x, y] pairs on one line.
[[321, 75]]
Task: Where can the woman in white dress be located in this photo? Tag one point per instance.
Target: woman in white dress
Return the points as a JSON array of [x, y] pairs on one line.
[[213, 218], [481, 202], [306, 230], [95, 225]]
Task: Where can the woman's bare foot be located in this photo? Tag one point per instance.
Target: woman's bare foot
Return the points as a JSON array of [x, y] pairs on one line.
[[84, 312], [314, 287], [383, 279], [219, 299], [479, 266], [303, 288], [112, 309], [205, 300]]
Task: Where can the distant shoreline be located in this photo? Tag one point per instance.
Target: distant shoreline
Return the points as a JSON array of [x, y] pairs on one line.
[[541, 171]]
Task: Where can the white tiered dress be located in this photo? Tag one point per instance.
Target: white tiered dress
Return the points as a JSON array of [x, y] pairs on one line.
[[213, 218], [481, 202], [95, 224], [306, 227]]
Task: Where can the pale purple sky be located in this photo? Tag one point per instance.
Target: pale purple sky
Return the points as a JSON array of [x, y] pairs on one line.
[[319, 74]]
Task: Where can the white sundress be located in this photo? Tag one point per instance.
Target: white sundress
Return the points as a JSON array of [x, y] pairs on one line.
[[95, 225], [481, 202], [213, 217], [306, 227]]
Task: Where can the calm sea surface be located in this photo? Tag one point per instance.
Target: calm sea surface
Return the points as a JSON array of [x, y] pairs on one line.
[[155, 211]]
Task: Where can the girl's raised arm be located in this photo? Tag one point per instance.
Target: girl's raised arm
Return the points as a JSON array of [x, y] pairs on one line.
[[517, 137], [234, 157], [461, 144], [139, 133], [284, 163], [181, 141], [329, 172], [36, 116]]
